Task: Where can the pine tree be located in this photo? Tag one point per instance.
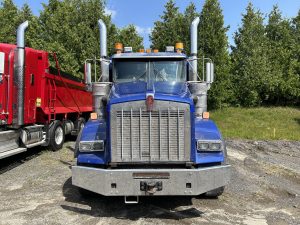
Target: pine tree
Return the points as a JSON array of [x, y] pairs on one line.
[[213, 44], [8, 22], [33, 30], [249, 56], [128, 36], [293, 81], [169, 29], [279, 34], [70, 28], [189, 15]]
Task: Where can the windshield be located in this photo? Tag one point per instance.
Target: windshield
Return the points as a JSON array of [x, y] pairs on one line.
[[146, 70]]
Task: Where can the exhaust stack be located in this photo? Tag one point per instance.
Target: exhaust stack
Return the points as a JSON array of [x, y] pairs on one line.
[[197, 88], [101, 89], [20, 67], [103, 51], [194, 47]]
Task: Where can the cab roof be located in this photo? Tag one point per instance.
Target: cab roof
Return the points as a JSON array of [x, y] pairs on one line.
[[152, 55]]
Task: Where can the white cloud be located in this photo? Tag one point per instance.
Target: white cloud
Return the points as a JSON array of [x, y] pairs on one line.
[[143, 30], [110, 12]]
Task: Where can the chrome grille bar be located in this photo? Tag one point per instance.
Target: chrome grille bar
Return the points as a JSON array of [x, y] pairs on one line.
[[150, 124], [140, 133], [178, 135], [168, 133], [159, 125], [122, 136], [131, 139]]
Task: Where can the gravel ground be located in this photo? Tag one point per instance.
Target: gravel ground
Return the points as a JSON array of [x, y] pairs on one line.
[[35, 188]]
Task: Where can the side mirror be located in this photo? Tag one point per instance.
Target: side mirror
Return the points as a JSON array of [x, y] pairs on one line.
[[2, 62], [210, 72], [88, 73]]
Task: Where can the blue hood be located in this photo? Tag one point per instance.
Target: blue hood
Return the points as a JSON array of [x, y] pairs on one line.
[[133, 91]]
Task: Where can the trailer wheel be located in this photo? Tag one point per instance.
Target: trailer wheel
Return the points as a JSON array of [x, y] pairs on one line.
[[57, 135], [215, 193]]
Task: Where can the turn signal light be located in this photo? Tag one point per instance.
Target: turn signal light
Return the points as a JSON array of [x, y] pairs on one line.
[[94, 116], [205, 115]]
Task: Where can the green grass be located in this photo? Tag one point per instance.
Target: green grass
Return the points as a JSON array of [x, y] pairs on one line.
[[274, 123]]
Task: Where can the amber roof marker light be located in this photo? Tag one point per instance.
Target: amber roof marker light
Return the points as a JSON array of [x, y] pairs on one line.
[[179, 47], [118, 47]]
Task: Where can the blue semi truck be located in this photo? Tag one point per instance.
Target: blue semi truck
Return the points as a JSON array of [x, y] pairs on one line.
[[150, 133]]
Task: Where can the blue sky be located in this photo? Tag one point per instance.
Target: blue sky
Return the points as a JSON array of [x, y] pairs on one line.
[[143, 13]]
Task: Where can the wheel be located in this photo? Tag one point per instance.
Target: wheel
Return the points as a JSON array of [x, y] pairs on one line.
[[57, 135], [86, 193], [215, 193]]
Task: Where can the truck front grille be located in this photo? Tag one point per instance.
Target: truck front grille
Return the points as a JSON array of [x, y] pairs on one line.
[[162, 135]]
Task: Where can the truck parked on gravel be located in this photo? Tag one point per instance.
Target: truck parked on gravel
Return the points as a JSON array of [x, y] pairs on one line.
[[150, 133], [39, 104]]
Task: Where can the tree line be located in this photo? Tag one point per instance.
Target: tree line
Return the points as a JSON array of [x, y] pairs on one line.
[[68, 28], [261, 68]]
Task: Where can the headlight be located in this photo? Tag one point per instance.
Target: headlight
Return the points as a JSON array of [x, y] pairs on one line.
[[205, 146], [88, 146], [202, 146], [215, 146], [85, 146]]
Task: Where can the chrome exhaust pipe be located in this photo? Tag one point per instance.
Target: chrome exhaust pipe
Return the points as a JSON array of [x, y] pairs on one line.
[[197, 88], [20, 67], [103, 51], [194, 47]]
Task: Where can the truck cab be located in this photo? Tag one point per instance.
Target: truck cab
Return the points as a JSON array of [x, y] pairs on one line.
[[151, 133]]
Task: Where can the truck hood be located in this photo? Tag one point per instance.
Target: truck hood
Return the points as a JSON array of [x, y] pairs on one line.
[[133, 91]]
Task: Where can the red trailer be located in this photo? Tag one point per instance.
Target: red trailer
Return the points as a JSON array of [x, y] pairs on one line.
[[39, 104]]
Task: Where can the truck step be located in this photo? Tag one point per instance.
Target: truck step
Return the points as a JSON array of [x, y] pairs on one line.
[[35, 144], [12, 152], [9, 140]]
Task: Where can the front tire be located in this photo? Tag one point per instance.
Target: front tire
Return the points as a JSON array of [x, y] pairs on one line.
[[57, 135]]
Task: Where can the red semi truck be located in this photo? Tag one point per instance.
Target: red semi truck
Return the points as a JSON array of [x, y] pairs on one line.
[[39, 104]]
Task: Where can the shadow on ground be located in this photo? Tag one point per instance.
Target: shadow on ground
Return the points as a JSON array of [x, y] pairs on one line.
[[149, 207], [14, 161]]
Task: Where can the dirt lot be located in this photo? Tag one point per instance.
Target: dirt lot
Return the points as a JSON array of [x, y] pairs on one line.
[[35, 188]]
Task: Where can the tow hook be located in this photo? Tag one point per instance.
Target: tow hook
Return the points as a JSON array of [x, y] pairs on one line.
[[151, 187]]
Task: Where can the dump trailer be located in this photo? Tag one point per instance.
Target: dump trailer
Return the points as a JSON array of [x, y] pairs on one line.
[[150, 132], [39, 104]]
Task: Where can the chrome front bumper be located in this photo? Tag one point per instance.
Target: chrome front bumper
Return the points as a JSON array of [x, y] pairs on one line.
[[129, 182]]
